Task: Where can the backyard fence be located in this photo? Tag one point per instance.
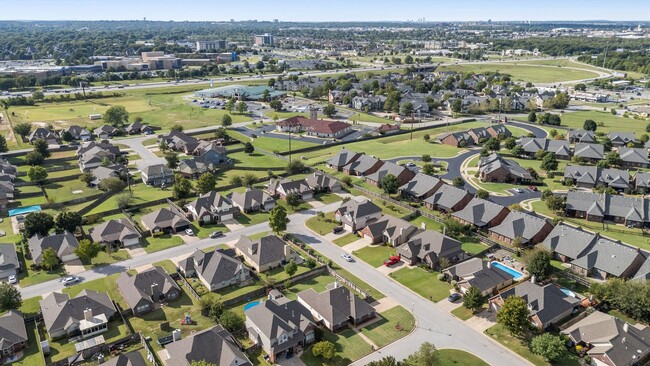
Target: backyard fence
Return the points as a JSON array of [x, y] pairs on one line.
[[151, 355]]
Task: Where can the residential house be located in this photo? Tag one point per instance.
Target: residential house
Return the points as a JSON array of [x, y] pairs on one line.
[[632, 157], [547, 305], [77, 133], [494, 168], [355, 215], [387, 129], [6, 168], [41, 133], [336, 307], [157, 175], [252, 200], [643, 273], [280, 327], [580, 136], [116, 232], [481, 213], [133, 358], [371, 103], [179, 141], [321, 183], [457, 139], [105, 132], [265, 253], [499, 131], [389, 229], [63, 244], [214, 346], [85, 315], [532, 145], [621, 138], [206, 160], [13, 335], [429, 247], [422, 186], [342, 158], [607, 258], [314, 127], [148, 290], [609, 340], [364, 165], [480, 274], [165, 220], [215, 269], [211, 207], [283, 188], [9, 264], [96, 154], [591, 177], [599, 207], [566, 243], [529, 228], [138, 127], [642, 182], [105, 172], [591, 153], [402, 174], [448, 199]]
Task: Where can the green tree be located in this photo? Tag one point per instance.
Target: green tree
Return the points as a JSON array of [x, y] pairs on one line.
[[458, 182], [87, 250], [236, 181], [385, 361], [230, 105], [482, 193], [518, 151], [38, 223], [293, 199], [249, 148], [10, 297], [231, 321], [206, 183], [49, 259], [555, 203], [124, 200], [406, 109], [549, 346], [41, 147], [473, 299], [456, 106], [222, 133], [67, 136], [201, 363], [347, 181], [590, 125], [329, 110], [248, 179], [493, 144], [172, 160], [177, 128], [549, 162], [613, 159], [276, 105], [37, 174], [295, 167], [428, 169], [389, 184], [87, 178], [67, 221], [426, 158], [226, 120], [112, 184], [23, 129], [514, 315], [212, 306], [510, 143], [3, 144], [427, 355], [324, 349], [242, 107], [182, 188], [116, 116], [291, 268], [278, 219], [540, 265], [532, 117]]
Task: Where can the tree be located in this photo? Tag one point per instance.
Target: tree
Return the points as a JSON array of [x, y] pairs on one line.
[[554, 120], [37, 174], [555, 203], [248, 179], [222, 133], [3, 144], [226, 120], [177, 128], [230, 105], [172, 160], [293, 199], [276, 105], [647, 128], [10, 297], [249, 148], [24, 129], [458, 182], [473, 299], [518, 151], [549, 162], [513, 315], [49, 259], [212, 306], [329, 110], [427, 355], [590, 125], [406, 109], [428, 169], [580, 87], [482, 193], [324, 349], [38, 223], [385, 361], [41, 147], [124, 200], [278, 219], [236, 181], [87, 250], [613, 111], [613, 159], [510, 143], [532, 117], [116, 116], [426, 158], [456, 106], [295, 167], [291, 268], [231, 321], [67, 221], [201, 363], [549, 346], [87, 178], [540, 265], [182, 188], [389, 184], [242, 107], [206, 183], [112, 184], [493, 144]]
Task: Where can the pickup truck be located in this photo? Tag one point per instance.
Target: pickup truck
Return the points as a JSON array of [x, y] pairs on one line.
[[393, 259]]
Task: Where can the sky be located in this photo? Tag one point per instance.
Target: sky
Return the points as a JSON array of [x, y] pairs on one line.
[[325, 10]]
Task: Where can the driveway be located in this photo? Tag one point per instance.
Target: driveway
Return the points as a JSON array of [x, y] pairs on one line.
[[74, 267], [188, 239], [384, 304], [356, 245], [233, 225], [135, 251], [482, 321]]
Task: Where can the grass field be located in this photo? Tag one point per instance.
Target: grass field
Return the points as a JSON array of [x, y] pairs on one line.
[[375, 255], [321, 226], [383, 331], [423, 283], [463, 313], [611, 123], [349, 347], [258, 160], [158, 243], [525, 71], [456, 357], [346, 239]]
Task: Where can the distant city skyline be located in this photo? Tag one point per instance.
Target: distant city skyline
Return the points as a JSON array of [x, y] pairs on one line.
[[333, 10]]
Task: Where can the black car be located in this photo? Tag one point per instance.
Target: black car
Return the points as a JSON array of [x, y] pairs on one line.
[[337, 230], [453, 297]]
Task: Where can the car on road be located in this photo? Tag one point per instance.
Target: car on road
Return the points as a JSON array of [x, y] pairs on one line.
[[337, 230], [518, 190], [410, 164], [216, 234], [393, 259], [533, 188], [347, 257], [189, 232], [454, 297], [70, 280], [12, 280]]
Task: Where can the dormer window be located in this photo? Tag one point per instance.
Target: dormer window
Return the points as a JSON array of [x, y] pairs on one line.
[[283, 338]]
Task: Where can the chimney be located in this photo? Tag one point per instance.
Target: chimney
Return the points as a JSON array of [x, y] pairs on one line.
[[287, 252], [313, 113], [336, 284], [423, 226], [533, 279], [489, 264], [176, 335], [626, 327], [88, 314], [154, 291]]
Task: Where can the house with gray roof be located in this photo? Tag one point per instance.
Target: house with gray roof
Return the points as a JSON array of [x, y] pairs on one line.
[[478, 273], [9, 264], [179, 141], [403, 174], [498, 130], [252, 200], [422, 186], [547, 305], [85, 315], [212, 207], [77, 133], [530, 228], [580, 136], [642, 182], [63, 245], [157, 175], [364, 165], [606, 258], [116, 232], [343, 157], [264, 253], [494, 168], [567, 243], [148, 290], [599, 207], [591, 153], [481, 213], [215, 269], [591, 177], [429, 247], [355, 215], [105, 132], [280, 326], [284, 187], [448, 199], [532, 145], [164, 220], [215, 346], [94, 155], [621, 138], [609, 340], [42, 133], [105, 172], [643, 273], [337, 307], [8, 169], [633, 157], [13, 334], [389, 229], [320, 183], [133, 358]]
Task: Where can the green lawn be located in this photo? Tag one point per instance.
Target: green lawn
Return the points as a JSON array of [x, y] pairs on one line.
[[278, 273], [233, 291], [611, 123], [375, 255], [327, 198], [321, 225], [31, 277], [104, 284], [424, 283], [154, 244], [360, 283], [31, 306], [167, 265], [204, 231], [104, 258], [256, 159], [271, 144], [472, 245], [141, 193], [525, 71], [456, 357], [32, 355], [253, 218], [346, 239], [386, 330], [317, 283], [463, 313], [349, 347]]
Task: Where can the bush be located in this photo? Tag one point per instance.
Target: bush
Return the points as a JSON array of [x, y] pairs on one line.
[[441, 277]]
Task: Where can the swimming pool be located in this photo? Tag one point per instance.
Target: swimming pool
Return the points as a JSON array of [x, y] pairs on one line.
[[24, 210], [568, 292], [511, 271], [251, 304]]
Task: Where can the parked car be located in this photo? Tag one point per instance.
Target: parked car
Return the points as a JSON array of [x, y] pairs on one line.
[[12, 280], [216, 234], [189, 232], [347, 257], [533, 188], [70, 280], [337, 230], [454, 297], [393, 259], [518, 190]]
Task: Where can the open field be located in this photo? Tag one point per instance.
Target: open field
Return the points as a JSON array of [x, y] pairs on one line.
[[612, 123], [525, 71]]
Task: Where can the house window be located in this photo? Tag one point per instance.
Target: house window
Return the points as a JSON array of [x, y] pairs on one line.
[[142, 308]]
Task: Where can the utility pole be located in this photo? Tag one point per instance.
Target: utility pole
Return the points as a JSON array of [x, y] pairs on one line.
[[289, 147]]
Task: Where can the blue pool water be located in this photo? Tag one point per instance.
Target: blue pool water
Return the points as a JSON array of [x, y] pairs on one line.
[[514, 273], [568, 292], [24, 210], [251, 304]]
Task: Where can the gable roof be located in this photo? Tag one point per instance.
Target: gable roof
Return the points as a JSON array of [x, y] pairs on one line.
[[337, 304], [214, 346], [589, 151], [631, 208], [420, 185], [156, 169], [615, 178], [63, 244], [357, 209], [494, 162], [609, 256], [447, 196], [288, 186], [342, 158], [386, 169], [12, 329], [251, 197], [581, 135], [268, 249], [114, 230], [163, 218], [133, 358], [546, 302], [568, 240], [431, 243], [633, 155], [479, 211], [319, 180], [363, 164], [520, 224], [392, 227], [60, 311], [8, 257], [208, 202], [216, 266], [138, 287], [274, 317]]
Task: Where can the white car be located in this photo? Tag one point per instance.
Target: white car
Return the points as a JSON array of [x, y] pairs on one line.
[[189, 232], [70, 280], [518, 190], [347, 257], [12, 280]]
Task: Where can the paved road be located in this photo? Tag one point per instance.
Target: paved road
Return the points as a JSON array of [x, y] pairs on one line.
[[539, 132]]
